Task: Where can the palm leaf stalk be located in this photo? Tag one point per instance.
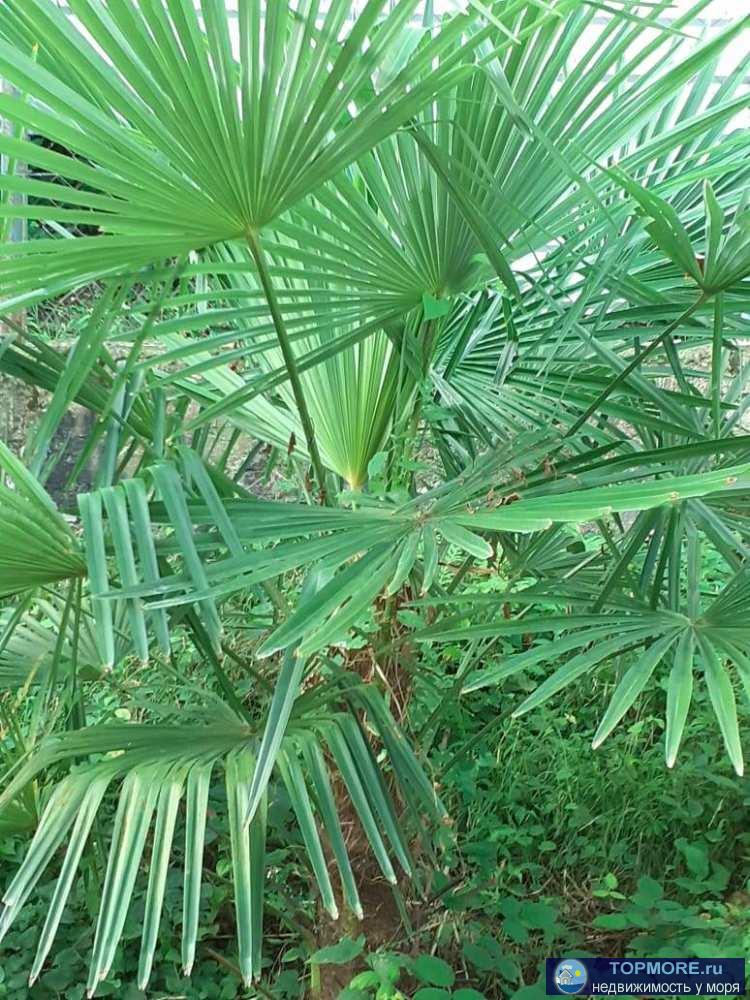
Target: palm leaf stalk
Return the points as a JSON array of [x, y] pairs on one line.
[[289, 360]]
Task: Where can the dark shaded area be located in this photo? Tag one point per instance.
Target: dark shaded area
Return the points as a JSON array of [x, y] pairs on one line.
[[21, 406]]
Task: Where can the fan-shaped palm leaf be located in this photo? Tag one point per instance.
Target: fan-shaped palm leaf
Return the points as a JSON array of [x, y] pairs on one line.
[[165, 774], [37, 546], [209, 141]]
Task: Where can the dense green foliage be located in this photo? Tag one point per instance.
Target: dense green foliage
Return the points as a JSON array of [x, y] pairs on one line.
[[465, 297], [536, 825]]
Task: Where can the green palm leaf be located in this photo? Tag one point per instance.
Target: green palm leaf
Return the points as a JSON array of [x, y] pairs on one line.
[[37, 546], [210, 145], [692, 640], [362, 551], [165, 773]]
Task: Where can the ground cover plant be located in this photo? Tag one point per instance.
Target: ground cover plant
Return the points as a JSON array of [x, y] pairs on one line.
[[413, 348]]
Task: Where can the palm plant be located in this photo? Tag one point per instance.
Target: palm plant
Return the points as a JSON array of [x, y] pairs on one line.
[[361, 241]]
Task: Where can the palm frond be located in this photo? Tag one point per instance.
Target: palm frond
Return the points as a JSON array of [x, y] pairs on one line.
[[362, 551], [37, 546], [702, 637], [207, 147], [165, 775]]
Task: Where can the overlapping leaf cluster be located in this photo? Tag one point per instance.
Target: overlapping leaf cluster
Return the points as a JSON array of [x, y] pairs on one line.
[[473, 281]]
